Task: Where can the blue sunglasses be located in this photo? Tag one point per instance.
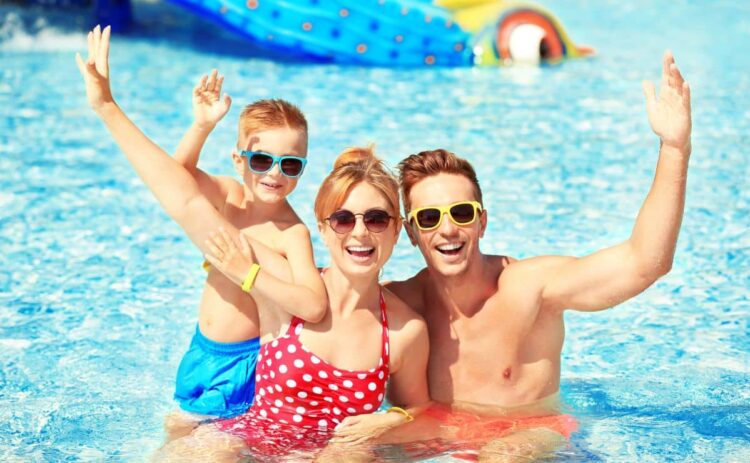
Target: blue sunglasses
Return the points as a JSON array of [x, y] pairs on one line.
[[261, 162]]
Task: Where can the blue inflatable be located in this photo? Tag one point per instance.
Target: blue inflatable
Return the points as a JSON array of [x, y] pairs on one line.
[[396, 32]]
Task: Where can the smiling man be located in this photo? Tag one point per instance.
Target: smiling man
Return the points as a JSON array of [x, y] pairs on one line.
[[496, 323]]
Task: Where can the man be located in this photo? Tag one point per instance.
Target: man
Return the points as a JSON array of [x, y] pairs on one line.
[[496, 323]]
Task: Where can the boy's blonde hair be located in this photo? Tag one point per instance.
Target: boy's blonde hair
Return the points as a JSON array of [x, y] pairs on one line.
[[271, 114]]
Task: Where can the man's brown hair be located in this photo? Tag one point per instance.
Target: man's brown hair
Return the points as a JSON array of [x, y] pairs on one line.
[[428, 163]]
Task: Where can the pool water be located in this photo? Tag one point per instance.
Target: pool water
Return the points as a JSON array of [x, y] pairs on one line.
[[99, 289]]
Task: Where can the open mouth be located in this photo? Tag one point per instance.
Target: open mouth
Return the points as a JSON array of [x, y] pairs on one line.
[[450, 249], [360, 252]]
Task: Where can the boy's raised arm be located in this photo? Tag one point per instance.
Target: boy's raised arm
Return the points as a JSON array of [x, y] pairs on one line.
[[209, 107]]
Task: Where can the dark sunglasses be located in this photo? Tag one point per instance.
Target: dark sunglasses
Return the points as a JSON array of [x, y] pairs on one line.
[[343, 221], [430, 218], [261, 162]]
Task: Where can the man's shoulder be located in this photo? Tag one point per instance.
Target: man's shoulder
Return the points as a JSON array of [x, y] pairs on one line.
[[410, 291], [525, 278], [400, 313]]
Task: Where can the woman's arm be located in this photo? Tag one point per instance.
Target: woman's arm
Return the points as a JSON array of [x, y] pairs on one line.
[[174, 188], [234, 258], [407, 388]]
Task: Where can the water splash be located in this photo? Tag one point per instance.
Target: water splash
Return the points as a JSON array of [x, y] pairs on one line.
[[28, 34]]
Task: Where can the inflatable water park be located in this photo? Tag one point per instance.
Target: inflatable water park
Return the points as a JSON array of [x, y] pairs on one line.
[[400, 33]]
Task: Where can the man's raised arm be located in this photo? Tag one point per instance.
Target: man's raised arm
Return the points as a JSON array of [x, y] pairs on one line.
[[613, 275]]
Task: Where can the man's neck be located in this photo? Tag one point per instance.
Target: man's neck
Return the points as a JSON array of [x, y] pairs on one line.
[[464, 294]]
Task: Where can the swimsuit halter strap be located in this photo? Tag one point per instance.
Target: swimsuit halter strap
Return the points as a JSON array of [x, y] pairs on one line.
[[291, 331], [385, 338], [385, 349]]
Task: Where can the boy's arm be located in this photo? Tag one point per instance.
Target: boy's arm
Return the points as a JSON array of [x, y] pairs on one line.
[[173, 186], [209, 107], [293, 283], [613, 275]]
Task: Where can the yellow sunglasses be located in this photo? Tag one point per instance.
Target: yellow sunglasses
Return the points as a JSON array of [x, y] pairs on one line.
[[430, 217]]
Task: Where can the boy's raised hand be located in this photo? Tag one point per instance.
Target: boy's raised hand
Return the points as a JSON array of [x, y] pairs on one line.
[[669, 113], [208, 104], [95, 70]]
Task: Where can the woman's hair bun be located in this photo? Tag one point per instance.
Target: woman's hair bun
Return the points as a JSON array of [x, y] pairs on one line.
[[355, 155]]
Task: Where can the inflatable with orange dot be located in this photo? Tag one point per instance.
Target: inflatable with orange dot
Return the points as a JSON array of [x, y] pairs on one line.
[[397, 32]]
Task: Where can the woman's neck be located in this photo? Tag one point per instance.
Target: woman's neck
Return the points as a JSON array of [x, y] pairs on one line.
[[346, 294]]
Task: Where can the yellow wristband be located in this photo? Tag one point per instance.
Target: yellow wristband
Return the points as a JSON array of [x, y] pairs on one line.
[[400, 410], [249, 281]]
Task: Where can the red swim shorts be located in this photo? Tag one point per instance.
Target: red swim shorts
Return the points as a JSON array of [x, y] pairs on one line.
[[473, 427]]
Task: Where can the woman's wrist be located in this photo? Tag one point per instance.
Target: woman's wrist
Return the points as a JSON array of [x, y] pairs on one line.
[[404, 415]]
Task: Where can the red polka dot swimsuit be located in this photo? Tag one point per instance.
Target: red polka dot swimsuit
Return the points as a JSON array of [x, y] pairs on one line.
[[300, 398]]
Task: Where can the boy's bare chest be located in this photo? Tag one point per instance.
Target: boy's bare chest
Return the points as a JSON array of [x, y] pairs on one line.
[[266, 232]]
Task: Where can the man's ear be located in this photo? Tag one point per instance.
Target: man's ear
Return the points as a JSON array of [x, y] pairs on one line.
[[410, 233], [482, 222], [238, 163]]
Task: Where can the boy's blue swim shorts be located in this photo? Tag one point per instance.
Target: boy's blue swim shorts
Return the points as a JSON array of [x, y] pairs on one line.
[[215, 378]]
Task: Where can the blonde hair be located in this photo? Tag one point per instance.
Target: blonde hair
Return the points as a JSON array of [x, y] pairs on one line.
[[271, 114], [354, 166]]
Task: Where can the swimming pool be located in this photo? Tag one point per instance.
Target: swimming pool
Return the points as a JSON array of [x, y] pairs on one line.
[[99, 289]]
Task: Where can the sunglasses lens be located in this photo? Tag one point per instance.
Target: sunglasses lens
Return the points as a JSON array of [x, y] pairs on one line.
[[291, 167], [463, 213], [261, 162], [376, 220], [342, 221], [428, 218]]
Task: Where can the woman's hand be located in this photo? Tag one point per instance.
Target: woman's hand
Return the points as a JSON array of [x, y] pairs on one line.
[[227, 257], [209, 107], [362, 428], [95, 70]]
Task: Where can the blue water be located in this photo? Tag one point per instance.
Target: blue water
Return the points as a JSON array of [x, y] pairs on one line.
[[99, 289]]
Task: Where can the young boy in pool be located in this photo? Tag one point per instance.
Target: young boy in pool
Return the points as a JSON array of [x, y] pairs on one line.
[[216, 376]]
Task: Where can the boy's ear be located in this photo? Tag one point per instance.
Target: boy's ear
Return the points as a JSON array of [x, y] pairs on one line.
[[239, 163]]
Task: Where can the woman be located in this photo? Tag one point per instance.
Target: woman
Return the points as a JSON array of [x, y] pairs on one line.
[[314, 377]]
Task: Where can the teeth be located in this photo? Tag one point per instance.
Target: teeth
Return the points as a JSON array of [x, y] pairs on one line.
[[360, 248], [449, 247]]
